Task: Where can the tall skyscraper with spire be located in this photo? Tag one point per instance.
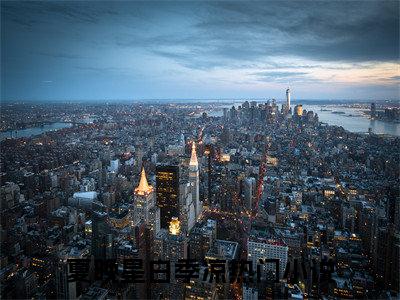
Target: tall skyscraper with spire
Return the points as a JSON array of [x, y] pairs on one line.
[[144, 199], [288, 99], [195, 181], [145, 209]]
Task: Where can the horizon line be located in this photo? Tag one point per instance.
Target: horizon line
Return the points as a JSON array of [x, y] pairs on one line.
[[193, 100]]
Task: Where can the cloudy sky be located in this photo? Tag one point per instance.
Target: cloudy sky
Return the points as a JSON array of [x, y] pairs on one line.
[[191, 50]]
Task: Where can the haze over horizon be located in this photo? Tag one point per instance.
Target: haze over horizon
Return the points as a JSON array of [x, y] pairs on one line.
[[199, 50]]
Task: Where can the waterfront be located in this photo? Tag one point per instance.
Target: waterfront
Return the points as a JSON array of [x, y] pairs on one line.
[[29, 132], [351, 119]]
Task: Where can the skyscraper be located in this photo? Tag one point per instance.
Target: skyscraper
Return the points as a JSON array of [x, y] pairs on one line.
[[373, 110], [167, 193], [299, 110], [101, 236], [249, 187], [170, 245], [144, 199], [288, 99], [194, 180]]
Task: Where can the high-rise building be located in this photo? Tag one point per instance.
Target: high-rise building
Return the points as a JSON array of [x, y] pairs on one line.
[[144, 199], [64, 289], [27, 283], [170, 245], [201, 237], [101, 236], [167, 193], [225, 135], [288, 99], [224, 251], [187, 209], [225, 113], [373, 110], [298, 110], [209, 153], [250, 293], [233, 114], [263, 247], [195, 181], [249, 187]]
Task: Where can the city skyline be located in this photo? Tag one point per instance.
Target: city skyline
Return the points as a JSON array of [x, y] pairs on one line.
[[191, 50]]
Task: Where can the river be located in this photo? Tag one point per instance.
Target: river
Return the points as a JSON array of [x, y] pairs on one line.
[[353, 119], [28, 132]]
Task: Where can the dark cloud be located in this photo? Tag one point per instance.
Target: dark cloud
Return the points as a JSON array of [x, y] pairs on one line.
[[38, 38], [227, 32], [330, 31], [36, 12]]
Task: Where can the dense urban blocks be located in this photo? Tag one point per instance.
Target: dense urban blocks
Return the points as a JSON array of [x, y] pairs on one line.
[[240, 200]]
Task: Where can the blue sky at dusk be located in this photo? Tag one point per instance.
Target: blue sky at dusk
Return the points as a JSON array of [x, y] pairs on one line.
[[199, 50]]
